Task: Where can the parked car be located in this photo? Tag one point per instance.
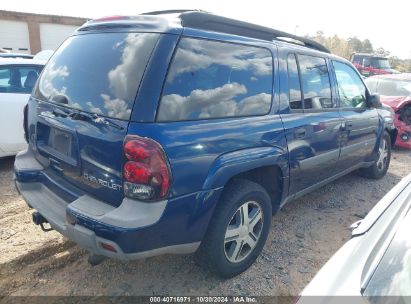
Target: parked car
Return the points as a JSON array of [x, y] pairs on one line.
[[395, 91], [16, 55], [370, 64], [176, 133], [43, 55], [17, 79], [376, 262]]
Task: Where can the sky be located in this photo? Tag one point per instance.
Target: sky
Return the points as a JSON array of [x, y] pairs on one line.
[[385, 23]]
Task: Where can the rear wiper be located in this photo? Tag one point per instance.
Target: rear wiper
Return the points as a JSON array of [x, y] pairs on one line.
[[59, 112], [106, 121], [95, 118], [59, 99]]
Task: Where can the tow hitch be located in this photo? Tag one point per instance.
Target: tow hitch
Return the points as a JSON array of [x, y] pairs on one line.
[[38, 219]]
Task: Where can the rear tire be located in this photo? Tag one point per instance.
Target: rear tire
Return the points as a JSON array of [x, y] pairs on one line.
[[238, 230], [380, 167]]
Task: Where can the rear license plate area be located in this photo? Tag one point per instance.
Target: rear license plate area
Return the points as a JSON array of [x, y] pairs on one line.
[[60, 141], [57, 143]]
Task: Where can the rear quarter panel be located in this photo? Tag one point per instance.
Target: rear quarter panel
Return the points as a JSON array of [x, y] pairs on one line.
[[199, 150]]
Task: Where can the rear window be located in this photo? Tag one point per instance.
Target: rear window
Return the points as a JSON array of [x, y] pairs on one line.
[[97, 73], [209, 79]]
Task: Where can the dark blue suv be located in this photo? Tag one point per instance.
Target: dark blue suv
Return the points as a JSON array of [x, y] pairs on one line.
[[182, 132]]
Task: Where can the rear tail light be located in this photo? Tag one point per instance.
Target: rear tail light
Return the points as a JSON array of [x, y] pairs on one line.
[[146, 172]]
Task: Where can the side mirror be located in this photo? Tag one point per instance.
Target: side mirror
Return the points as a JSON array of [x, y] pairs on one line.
[[373, 101]]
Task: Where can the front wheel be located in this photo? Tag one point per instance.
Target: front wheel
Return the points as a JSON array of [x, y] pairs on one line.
[[238, 230], [380, 167]]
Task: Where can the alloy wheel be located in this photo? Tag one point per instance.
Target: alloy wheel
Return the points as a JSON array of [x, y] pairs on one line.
[[243, 231]]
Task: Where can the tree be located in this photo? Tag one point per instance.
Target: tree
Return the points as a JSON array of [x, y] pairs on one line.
[[382, 52], [355, 44], [367, 46]]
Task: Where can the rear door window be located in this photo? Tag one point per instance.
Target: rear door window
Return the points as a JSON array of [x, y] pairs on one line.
[[97, 73], [316, 83], [18, 79], [296, 101], [209, 79]]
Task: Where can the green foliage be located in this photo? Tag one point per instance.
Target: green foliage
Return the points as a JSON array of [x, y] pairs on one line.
[[401, 65]]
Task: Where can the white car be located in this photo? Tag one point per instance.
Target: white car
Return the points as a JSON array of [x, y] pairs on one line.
[[374, 266], [17, 79]]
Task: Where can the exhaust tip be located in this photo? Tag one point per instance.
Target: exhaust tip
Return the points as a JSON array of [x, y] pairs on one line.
[[95, 259]]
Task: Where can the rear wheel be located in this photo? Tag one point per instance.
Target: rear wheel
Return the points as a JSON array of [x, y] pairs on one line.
[[238, 230], [380, 167]]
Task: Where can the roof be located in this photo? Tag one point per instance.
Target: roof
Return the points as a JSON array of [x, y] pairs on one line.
[[195, 19], [21, 61], [15, 55], [400, 76], [369, 55]]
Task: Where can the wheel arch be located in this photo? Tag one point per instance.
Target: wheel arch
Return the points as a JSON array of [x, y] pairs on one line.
[[266, 166]]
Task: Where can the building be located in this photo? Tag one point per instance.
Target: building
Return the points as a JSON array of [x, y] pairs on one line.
[[31, 33]]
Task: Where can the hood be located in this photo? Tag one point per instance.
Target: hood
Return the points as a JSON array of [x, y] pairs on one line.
[[395, 102]]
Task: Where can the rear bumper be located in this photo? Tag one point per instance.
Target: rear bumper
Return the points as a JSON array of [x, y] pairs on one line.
[[134, 229]]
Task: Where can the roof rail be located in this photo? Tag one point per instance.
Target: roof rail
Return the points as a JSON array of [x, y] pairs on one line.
[[211, 22], [176, 11]]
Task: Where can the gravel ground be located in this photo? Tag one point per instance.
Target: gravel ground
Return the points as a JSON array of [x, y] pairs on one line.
[[304, 235]]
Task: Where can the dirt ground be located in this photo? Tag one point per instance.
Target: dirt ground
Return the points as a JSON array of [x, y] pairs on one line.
[[304, 235]]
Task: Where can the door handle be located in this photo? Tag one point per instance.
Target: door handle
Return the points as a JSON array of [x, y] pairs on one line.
[[56, 165], [349, 124], [300, 133]]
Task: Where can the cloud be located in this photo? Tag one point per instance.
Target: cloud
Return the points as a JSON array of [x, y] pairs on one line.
[[195, 54], [116, 108], [256, 104], [125, 77], [51, 73], [92, 108], [213, 103]]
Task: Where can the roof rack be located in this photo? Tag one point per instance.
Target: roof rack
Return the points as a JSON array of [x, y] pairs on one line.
[[206, 21], [176, 11]]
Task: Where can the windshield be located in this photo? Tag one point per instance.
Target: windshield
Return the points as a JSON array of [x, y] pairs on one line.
[[380, 63], [391, 87], [393, 274], [97, 73]]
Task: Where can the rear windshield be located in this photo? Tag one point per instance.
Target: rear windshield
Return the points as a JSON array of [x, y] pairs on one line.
[[97, 73]]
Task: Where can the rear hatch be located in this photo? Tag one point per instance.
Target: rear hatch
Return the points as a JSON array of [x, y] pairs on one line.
[[82, 105]]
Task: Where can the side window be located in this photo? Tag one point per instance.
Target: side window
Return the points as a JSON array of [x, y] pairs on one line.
[[316, 83], [358, 59], [351, 89], [209, 79], [366, 62], [294, 83], [4, 79], [18, 79]]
